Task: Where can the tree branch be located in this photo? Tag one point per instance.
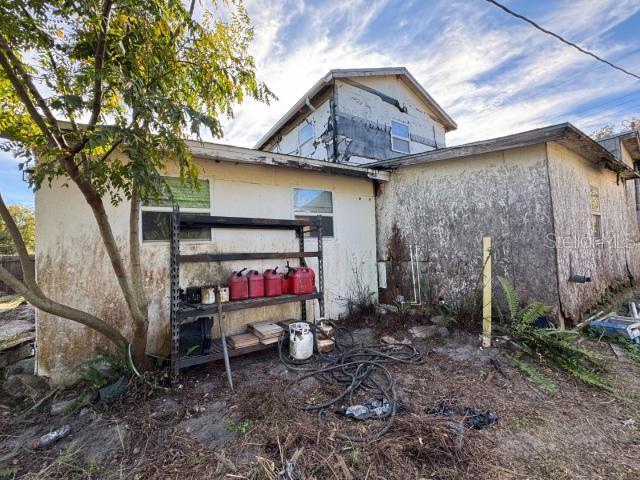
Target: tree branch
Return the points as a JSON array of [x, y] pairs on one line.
[[99, 63], [28, 266], [45, 304]]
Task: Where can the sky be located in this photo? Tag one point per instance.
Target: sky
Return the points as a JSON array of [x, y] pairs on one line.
[[493, 73]]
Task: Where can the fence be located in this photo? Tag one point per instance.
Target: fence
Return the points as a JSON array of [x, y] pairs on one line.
[[12, 264]]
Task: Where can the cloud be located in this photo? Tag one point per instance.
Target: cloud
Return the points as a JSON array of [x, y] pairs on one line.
[[493, 73]]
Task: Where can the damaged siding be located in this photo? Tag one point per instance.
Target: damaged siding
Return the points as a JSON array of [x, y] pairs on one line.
[[446, 207], [611, 262], [73, 268]]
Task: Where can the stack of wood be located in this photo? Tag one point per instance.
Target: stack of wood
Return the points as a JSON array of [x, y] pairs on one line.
[[267, 332], [243, 340]]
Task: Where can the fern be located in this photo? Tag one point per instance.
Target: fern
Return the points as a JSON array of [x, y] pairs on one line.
[[530, 314], [513, 301]]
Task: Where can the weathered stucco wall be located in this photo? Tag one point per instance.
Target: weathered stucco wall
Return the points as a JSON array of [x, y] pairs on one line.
[[72, 266], [609, 263], [446, 207]]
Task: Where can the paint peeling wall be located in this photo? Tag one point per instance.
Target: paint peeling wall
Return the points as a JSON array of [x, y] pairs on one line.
[[73, 268], [322, 148], [446, 207], [361, 127], [364, 120], [610, 262]]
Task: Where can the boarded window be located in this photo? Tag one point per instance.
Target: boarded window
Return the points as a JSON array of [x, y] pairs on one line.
[[596, 214], [400, 137], [308, 203], [156, 214]]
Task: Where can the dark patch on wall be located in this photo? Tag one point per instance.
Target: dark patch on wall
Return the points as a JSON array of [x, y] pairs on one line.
[[362, 138]]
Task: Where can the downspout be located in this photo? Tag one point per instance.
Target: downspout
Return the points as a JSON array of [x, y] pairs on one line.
[[334, 120]]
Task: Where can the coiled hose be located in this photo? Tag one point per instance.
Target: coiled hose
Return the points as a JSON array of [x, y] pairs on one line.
[[355, 369]]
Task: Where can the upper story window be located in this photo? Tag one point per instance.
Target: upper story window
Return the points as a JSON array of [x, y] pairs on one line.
[[596, 214], [308, 203], [400, 137], [305, 139], [156, 214]]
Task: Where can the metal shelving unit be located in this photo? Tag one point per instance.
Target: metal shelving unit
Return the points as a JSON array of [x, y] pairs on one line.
[[183, 313]]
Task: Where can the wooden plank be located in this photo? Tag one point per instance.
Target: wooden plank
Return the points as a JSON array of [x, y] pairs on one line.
[[16, 332], [223, 257], [243, 340], [265, 330], [199, 310], [486, 292]]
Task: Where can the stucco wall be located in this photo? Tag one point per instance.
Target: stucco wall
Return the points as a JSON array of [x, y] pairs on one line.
[[72, 266], [610, 262], [446, 207]]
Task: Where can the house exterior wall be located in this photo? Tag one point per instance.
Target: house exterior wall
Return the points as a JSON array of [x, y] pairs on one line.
[[362, 123], [609, 263], [322, 137], [446, 207], [364, 120], [72, 266]]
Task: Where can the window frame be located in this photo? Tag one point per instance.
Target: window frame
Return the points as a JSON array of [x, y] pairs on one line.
[[306, 213], [596, 215], [149, 208], [399, 137], [311, 139]]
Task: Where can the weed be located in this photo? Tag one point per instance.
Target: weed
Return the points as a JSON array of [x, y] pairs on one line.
[[240, 428], [632, 350], [8, 473]]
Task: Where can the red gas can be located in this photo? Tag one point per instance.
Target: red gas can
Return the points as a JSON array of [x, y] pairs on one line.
[[238, 286], [272, 283], [256, 284], [302, 281]]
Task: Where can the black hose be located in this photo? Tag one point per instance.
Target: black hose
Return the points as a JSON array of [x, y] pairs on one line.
[[354, 368]]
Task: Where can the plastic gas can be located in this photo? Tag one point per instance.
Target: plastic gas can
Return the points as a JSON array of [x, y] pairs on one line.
[[256, 284], [272, 282], [238, 286]]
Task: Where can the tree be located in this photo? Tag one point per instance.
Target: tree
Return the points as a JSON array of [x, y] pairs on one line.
[[608, 130], [127, 76], [26, 223]]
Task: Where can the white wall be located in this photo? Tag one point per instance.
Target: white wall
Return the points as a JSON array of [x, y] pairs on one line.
[[73, 268]]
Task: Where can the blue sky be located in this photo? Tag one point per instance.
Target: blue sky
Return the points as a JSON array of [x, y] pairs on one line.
[[493, 73]]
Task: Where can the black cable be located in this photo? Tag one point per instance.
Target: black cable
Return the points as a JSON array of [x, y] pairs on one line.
[[563, 40], [354, 368]]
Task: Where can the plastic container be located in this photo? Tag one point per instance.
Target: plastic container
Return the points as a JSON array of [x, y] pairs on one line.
[[238, 286], [300, 341], [256, 284], [272, 283], [302, 281], [286, 280]]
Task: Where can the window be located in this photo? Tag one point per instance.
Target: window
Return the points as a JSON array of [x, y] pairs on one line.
[[596, 214], [305, 139], [309, 203], [400, 137], [156, 214]]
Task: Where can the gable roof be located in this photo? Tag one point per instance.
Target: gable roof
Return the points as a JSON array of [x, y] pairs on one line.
[[564, 133], [401, 72]]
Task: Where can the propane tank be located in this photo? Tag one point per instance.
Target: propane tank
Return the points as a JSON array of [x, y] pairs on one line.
[[302, 281], [238, 286], [256, 284], [300, 341], [272, 283]]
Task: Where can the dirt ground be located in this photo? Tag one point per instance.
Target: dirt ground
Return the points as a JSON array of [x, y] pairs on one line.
[[199, 429]]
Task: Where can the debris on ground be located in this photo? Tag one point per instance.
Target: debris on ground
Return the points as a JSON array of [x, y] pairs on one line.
[[51, 437], [114, 390], [470, 416], [370, 409]]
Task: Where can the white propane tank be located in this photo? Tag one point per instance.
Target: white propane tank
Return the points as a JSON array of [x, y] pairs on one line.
[[300, 341]]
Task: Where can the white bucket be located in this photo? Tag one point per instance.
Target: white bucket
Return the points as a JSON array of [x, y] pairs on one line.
[[300, 341]]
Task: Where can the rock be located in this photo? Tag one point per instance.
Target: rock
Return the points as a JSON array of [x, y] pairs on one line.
[[385, 308], [58, 407], [429, 331], [441, 320], [25, 385], [26, 365]]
